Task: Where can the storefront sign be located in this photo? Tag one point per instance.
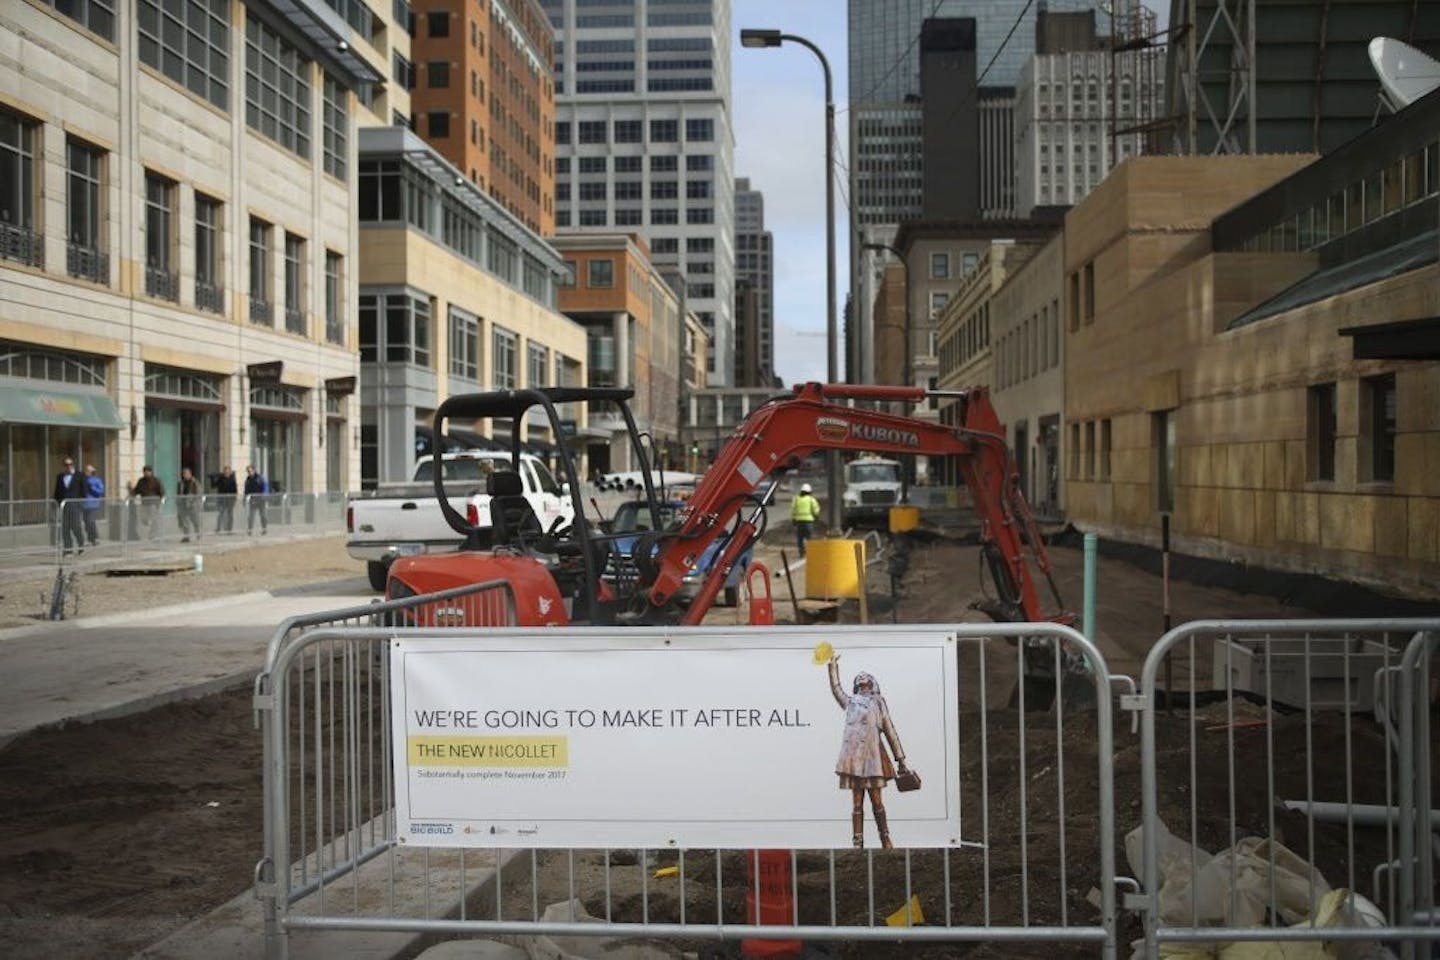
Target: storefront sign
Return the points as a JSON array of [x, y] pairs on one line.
[[340, 386], [267, 372], [671, 738], [42, 406]]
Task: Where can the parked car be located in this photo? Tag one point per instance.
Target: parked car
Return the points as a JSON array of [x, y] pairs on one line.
[[401, 520], [634, 518]]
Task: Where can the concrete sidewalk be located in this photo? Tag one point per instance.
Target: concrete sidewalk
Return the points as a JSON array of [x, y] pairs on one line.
[[123, 663]]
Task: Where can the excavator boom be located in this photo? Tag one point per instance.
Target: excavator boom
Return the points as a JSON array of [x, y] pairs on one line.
[[780, 434]]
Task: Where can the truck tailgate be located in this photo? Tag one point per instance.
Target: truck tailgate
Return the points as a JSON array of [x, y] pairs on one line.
[[403, 519]]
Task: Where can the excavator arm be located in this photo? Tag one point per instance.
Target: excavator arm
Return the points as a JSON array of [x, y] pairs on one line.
[[780, 434]]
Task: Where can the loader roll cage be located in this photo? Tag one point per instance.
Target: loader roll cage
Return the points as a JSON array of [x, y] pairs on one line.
[[579, 539]]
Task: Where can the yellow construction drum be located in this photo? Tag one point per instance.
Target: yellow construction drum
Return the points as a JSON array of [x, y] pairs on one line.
[[831, 569]]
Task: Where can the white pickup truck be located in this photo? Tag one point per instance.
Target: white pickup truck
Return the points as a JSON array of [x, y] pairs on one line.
[[401, 520]]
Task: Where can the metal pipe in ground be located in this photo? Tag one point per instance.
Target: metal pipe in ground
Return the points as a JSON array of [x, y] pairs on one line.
[[860, 575], [1088, 611], [790, 585]]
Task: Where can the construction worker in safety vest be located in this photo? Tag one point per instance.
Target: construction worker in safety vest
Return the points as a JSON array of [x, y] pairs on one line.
[[804, 511]]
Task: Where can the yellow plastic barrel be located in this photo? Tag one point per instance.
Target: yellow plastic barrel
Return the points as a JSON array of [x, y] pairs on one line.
[[904, 517], [830, 570]]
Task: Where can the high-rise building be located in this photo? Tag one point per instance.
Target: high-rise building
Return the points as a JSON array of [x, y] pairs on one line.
[[482, 96], [754, 267], [1080, 112], [886, 89], [643, 141]]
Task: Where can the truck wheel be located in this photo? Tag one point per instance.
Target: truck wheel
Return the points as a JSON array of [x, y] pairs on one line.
[[732, 596], [378, 572]]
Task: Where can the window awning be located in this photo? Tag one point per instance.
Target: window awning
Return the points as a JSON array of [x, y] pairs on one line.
[[60, 408]]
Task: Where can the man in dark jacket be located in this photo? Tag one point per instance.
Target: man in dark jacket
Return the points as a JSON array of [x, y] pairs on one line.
[[225, 487], [255, 490], [69, 496], [150, 492], [187, 504]]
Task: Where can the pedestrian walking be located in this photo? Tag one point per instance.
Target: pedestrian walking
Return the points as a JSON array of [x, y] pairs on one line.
[[187, 504], [150, 492], [94, 499], [256, 488], [225, 503], [69, 496], [804, 511]]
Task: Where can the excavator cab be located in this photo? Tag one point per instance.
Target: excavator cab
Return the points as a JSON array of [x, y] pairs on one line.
[[518, 545]]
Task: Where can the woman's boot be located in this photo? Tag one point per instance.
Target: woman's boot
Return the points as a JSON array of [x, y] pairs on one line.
[[857, 824], [883, 826]]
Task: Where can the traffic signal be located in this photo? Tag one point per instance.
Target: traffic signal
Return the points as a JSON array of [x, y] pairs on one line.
[[695, 449]]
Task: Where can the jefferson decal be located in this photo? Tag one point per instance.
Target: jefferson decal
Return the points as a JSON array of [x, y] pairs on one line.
[[832, 428]]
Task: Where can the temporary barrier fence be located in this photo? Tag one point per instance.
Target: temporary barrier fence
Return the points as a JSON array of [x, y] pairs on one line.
[[44, 531], [1267, 784], [1035, 862], [1260, 774], [320, 706]]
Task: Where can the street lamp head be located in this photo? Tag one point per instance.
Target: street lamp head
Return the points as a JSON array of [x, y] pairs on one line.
[[759, 38]]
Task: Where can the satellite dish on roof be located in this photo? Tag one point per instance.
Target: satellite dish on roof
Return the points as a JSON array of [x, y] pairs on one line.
[[1406, 74]]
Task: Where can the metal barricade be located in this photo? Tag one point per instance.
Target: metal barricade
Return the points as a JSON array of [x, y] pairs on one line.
[[1268, 790], [322, 712], [1036, 862]]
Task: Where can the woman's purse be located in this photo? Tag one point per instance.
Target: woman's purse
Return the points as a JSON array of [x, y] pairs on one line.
[[907, 780]]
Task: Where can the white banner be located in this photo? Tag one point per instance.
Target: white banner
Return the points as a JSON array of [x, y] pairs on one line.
[[670, 739]]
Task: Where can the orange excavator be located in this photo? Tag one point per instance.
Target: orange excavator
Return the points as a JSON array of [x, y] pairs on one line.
[[565, 575]]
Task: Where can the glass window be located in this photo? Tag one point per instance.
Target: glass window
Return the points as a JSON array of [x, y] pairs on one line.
[[277, 88], [437, 23], [504, 349], [938, 301], [1374, 194], [701, 130], [407, 329], [19, 238], [629, 131], [939, 266], [97, 16], [1378, 410], [260, 311], [294, 284], [334, 297], [592, 131], [438, 123], [562, 131], [1394, 189], [161, 278], [664, 189], [464, 345], [699, 163], [437, 74], [537, 365], [601, 273], [664, 131], [336, 124], [84, 255], [627, 164], [189, 42], [700, 215], [208, 294], [697, 189], [664, 216], [664, 164], [968, 263]]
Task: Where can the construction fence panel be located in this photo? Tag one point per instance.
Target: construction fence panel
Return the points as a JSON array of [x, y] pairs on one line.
[[1287, 785], [322, 711], [1035, 862]]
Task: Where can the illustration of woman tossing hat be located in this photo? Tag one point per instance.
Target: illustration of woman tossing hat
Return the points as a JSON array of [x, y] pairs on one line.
[[863, 765]]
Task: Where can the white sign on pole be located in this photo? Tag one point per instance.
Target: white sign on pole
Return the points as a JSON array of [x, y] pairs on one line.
[[659, 739]]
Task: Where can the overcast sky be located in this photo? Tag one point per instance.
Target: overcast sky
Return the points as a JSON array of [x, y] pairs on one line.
[[779, 117]]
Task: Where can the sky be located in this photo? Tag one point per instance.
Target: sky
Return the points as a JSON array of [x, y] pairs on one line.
[[778, 101]]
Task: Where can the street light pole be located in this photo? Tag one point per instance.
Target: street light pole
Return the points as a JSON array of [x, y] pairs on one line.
[[773, 38]]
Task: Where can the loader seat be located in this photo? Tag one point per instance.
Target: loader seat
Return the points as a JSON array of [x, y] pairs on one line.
[[510, 513]]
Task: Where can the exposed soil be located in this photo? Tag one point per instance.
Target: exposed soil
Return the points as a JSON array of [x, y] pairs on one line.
[[115, 834]]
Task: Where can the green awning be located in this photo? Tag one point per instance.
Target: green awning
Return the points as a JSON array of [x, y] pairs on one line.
[[57, 408]]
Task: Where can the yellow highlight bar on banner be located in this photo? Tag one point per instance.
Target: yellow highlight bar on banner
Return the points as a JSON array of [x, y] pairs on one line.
[[509, 752]]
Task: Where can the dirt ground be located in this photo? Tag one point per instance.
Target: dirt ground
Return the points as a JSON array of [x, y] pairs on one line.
[[241, 569], [155, 819]]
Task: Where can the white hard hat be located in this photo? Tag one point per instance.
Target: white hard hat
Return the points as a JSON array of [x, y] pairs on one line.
[[804, 488]]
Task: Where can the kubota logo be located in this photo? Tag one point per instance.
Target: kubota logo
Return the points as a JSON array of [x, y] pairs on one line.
[[832, 428], [890, 435]]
